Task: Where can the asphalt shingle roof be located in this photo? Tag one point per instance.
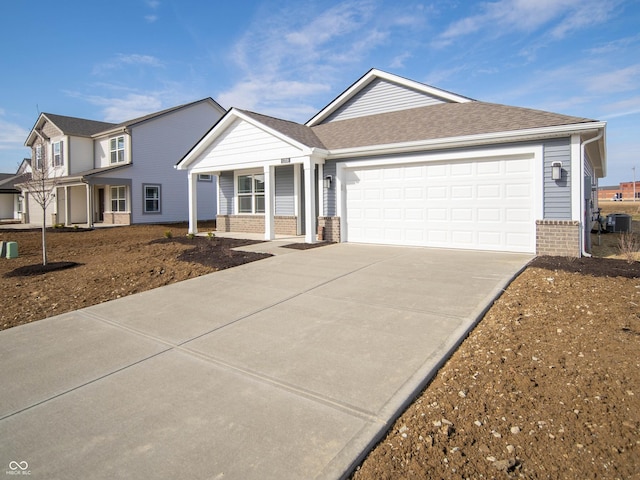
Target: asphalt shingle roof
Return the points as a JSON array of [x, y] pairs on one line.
[[436, 121], [293, 130], [80, 127]]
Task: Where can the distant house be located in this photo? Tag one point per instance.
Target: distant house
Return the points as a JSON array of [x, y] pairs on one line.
[[11, 198], [120, 173], [395, 161]]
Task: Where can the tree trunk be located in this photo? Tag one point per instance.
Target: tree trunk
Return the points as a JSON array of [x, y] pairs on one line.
[[44, 241]]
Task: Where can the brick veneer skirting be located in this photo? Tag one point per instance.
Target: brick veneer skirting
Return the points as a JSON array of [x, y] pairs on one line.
[[331, 228], [117, 218], [284, 225], [558, 237]]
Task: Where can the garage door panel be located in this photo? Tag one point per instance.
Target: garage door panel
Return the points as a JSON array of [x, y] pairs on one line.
[[468, 204]]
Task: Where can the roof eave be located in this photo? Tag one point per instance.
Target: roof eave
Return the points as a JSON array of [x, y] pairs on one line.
[[466, 141]]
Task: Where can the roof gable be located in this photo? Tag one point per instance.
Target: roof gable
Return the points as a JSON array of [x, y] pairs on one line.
[[243, 137], [381, 92]]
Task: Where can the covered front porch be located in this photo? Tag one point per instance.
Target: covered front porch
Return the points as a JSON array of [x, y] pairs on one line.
[[282, 197]]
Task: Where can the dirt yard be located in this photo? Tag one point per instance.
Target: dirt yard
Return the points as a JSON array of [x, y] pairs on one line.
[[546, 386]]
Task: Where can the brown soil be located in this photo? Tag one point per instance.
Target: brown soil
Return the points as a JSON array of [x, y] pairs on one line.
[[546, 386], [86, 267]]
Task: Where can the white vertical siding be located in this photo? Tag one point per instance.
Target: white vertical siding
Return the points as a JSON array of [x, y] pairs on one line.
[[381, 96]]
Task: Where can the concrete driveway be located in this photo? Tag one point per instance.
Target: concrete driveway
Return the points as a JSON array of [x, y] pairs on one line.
[[286, 368]]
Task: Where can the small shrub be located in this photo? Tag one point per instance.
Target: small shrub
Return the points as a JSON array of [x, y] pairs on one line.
[[190, 236], [76, 227], [58, 225], [629, 246], [211, 235], [168, 234]]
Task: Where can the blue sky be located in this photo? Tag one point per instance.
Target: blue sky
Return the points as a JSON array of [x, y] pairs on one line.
[[114, 60]]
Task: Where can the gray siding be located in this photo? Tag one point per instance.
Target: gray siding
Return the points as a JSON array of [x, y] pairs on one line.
[[381, 96], [284, 191], [557, 193], [226, 190], [329, 196]]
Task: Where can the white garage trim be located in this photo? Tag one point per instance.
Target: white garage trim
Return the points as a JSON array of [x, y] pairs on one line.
[[458, 234]]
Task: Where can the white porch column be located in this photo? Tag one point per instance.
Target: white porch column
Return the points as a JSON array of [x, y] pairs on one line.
[[193, 202], [320, 190], [89, 206], [309, 201], [269, 210], [67, 207], [296, 198]]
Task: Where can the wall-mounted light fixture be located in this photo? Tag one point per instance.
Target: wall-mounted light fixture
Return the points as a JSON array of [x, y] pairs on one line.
[[556, 171], [327, 181]]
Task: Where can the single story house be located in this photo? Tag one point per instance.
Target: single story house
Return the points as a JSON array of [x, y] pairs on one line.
[[120, 173], [11, 198], [395, 161]]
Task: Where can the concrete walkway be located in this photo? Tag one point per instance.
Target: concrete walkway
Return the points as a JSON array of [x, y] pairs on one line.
[[286, 368]]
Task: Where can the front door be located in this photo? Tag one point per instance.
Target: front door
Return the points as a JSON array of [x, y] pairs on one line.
[[101, 205]]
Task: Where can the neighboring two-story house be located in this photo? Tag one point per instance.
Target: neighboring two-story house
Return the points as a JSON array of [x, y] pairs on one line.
[[119, 173]]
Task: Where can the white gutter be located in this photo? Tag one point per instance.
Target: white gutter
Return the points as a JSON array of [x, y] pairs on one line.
[[582, 209]]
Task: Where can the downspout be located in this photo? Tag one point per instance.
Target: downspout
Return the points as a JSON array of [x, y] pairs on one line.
[[582, 199]]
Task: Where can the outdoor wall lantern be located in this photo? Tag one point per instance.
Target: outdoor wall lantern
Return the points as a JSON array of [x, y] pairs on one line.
[[327, 181], [556, 171]]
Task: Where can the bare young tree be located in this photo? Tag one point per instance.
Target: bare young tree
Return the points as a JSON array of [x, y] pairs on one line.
[[41, 187]]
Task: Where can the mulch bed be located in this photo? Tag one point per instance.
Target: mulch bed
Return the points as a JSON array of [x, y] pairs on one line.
[[597, 267]]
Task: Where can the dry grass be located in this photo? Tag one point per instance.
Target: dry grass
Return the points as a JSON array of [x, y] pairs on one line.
[[624, 246]]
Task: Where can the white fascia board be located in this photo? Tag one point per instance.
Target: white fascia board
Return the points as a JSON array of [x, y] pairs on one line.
[[372, 75], [225, 122], [465, 141]]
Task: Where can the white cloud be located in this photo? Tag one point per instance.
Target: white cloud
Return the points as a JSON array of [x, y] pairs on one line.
[[123, 105], [311, 48], [151, 18], [398, 61], [507, 16], [127, 60], [12, 136], [620, 80], [623, 108]]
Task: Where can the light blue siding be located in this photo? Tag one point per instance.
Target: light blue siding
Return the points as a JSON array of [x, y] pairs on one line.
[[381, 96], [284, 191], [329, 197], [557, 193], [226, 191]]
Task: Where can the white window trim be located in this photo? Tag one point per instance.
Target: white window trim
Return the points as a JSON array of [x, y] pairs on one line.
[[60, 145], [144, 199], [38, 155], [112, 198], [243, 173], [124, 150]]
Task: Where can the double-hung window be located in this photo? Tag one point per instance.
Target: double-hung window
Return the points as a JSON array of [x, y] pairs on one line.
[[118, 199], [38, 157], [116, 147], [250, 190], [151, 198], [57, 155]]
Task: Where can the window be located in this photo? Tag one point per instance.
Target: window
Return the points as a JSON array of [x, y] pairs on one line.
[[117, 149], [151, 198], [57, 155], [38, 164], [205, 177], [251, 193], [118, 199]]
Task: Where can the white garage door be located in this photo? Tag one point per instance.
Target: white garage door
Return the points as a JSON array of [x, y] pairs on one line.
[[473, 204]]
